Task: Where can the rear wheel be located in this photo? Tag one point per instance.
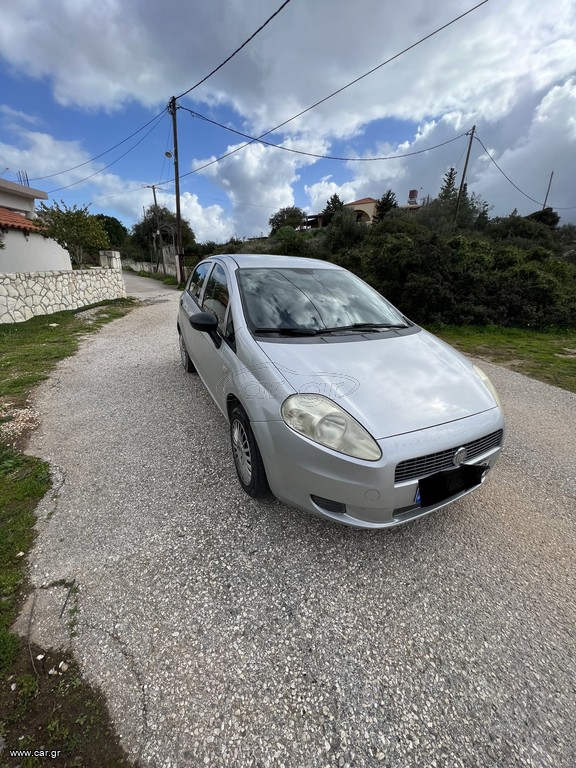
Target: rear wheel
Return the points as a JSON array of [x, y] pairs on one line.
[[247, 457], [187, 364]]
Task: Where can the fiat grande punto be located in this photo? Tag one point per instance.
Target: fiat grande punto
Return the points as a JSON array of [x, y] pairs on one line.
[[337, 403]]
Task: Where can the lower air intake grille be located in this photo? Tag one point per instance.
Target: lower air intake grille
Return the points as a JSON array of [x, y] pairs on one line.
[[410, 469], [329, 505]]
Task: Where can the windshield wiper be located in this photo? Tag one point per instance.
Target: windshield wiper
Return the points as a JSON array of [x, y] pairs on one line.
[[367, 327], [288, 331]]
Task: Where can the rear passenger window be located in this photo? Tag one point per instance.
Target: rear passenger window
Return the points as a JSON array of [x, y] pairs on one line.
[[197, 280]]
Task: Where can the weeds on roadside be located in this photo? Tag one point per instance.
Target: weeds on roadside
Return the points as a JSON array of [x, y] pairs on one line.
[[44, 702]]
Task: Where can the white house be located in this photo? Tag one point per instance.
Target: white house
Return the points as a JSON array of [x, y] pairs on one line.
[[26, 249], [36, 275]]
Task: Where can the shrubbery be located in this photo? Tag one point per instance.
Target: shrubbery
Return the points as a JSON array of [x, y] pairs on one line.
[[472, 279]]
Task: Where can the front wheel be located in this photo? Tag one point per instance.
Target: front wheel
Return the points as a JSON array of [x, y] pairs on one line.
[[187, 364], [247, 457]]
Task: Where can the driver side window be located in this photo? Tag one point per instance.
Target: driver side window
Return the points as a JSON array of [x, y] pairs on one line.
[[197, 281], [216, 296]]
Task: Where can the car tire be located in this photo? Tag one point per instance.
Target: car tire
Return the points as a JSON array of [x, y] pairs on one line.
[[187, 364], [246, 454]]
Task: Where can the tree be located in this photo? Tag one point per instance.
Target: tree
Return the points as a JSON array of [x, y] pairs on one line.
[[333, 205], [547, 216], [385, 204], [345, 231], [144, 231], [448, 194], [74, 229], [286, 217], [117, 232]]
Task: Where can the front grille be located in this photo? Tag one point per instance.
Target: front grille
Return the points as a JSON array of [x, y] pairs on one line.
[[421, 466]]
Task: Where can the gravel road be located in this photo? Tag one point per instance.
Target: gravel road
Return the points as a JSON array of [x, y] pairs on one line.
[[230, 632]]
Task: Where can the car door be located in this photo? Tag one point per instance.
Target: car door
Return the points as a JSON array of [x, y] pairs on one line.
[[190, 305], [213, 362]]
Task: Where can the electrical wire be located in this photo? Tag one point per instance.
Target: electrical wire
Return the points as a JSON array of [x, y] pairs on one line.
[[139, 188], [92, 159], [312, 154], [245, 43], [538, 202], [74, 183], [203, 80], [339, 90]]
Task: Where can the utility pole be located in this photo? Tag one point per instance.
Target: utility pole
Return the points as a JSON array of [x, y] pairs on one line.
[[548, 190], [172, 107], [159, 244], [464, 175]]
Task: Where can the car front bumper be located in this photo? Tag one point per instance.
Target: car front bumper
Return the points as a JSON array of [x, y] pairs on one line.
[[366, 494]]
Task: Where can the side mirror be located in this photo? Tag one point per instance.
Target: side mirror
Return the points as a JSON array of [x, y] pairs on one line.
[[206, 322]]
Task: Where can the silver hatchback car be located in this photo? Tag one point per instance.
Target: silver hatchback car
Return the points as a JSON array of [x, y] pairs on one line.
[[337, 403]]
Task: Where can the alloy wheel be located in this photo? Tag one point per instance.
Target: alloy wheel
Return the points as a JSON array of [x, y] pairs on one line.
[[242, 454]]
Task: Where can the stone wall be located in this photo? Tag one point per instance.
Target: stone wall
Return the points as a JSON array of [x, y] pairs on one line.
[[146, 266], [26, 294]]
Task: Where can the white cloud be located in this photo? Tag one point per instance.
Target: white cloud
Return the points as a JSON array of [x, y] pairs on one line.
[[320, 192], [258, 180], [548, 144], [104, 55], [208, 223], [505, 67], [47, 156]]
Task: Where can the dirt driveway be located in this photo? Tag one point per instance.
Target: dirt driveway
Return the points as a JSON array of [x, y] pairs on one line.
[[229, 632]]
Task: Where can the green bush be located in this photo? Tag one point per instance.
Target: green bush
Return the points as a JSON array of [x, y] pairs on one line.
[[465, 279]]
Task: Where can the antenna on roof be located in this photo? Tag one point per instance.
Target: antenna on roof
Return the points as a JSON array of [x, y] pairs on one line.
[[23, 178]]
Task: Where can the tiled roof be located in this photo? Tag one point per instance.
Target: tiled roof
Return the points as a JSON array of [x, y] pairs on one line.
[[14, 220], [363, 201]]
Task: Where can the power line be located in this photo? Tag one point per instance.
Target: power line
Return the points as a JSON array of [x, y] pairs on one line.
[[92, 159], [74, 183], [252, 36], [339, 90], [140, 187], [312, 154], [538, 202], [160, 114]]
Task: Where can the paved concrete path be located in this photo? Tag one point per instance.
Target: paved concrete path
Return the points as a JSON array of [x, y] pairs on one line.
[[227, 632]]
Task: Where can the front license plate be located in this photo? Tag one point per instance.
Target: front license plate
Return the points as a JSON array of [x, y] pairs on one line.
[[443, 485]]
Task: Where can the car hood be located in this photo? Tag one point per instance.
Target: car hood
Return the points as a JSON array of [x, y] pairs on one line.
[[391, 385]]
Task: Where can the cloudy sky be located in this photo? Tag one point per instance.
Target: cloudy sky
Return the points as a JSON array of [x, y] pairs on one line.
[[84, 88]]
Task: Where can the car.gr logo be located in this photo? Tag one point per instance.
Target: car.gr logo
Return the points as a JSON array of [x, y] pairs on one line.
[[260, 382]]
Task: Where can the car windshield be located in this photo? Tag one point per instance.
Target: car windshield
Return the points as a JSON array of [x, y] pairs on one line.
[[304, 301]]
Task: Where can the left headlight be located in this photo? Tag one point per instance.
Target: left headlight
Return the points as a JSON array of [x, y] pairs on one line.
[[491, 388], [320, 419]]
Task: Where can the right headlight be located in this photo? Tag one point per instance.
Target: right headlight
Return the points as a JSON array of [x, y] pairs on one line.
[[491, 388], [320, 419]]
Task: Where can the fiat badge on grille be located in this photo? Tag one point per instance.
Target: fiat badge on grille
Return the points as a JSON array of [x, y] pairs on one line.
[[459, 456]]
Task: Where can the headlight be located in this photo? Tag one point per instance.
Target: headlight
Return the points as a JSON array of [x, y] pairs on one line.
[[491, 388], [320, 419]]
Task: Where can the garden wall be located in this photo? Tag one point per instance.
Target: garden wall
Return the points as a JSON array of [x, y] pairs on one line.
[[26, 294]]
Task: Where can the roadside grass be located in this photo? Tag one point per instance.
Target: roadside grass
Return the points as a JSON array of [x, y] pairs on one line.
[[549, 356], [29, 351], [45, 705]]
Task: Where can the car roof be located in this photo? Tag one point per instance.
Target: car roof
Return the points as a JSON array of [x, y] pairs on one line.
[[243, 260]]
